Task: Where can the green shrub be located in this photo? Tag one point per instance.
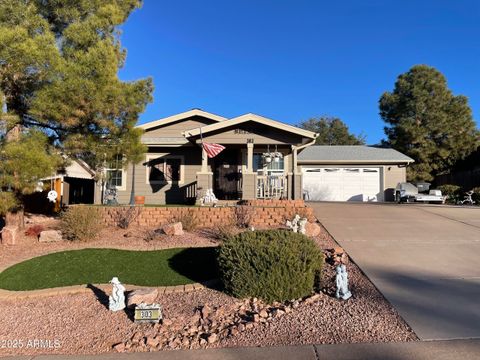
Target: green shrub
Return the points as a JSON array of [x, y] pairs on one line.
[[274, 265], [188, 219], [80, 223], [453, 192]]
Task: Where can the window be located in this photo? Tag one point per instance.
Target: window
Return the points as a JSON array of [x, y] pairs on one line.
[[115, 176], [165, 169], [274, 167]]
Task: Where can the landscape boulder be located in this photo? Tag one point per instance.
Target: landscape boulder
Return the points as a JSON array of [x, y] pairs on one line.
[[10, 235], [174, 229], [50, 236], [312, 229], [146, 296]]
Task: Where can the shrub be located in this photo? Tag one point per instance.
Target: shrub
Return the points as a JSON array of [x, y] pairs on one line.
[[124, 216], [188, 219], [80, 223], [243, 216], [225, 231], [34, 230], [274, 265], [452, 192]]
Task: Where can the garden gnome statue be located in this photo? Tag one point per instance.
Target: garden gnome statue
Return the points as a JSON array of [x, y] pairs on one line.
[[341, 280], [116, 302]]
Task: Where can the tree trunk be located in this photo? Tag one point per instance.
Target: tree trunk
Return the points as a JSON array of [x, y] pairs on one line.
[[132, 190], [15, 218]]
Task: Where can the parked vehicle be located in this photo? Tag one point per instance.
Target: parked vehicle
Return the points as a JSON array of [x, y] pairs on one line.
[[467, 200], [408, 192]]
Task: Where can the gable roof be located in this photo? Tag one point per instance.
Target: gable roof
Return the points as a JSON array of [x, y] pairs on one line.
[[181, 116], [250, 117], [351, 154]]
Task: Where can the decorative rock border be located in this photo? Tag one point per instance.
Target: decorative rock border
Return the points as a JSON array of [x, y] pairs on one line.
[[84, 289]]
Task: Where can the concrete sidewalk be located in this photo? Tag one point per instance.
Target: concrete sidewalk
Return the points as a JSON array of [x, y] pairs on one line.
[[422, 350]]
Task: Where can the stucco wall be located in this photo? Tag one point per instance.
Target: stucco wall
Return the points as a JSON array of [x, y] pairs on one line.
[[393, 174]]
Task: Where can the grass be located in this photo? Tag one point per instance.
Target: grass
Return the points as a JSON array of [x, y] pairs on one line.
[[96, 266]]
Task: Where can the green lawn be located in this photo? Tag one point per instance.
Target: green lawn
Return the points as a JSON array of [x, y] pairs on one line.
[[96, 266]]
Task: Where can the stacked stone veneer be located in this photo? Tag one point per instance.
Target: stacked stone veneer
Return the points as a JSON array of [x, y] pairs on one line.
[[263, 213]]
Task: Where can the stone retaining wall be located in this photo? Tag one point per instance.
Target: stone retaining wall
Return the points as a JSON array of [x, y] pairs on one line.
[[266, 214]]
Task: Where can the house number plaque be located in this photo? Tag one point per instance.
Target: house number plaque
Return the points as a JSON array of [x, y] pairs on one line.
[[148, 313]]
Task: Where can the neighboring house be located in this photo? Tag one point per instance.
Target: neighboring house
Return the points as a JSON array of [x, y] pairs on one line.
[[74, 184], [465, 173], [176, 169]]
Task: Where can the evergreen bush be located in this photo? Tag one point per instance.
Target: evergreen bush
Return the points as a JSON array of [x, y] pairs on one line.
[[274, 265]]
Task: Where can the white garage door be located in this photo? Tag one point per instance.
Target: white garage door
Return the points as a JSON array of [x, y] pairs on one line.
[[341, 183]]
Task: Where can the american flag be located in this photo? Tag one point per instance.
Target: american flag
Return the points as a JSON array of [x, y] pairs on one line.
[[212, 150]]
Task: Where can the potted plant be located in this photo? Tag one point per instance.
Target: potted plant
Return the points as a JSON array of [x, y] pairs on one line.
[[277, 156], [267, 158]]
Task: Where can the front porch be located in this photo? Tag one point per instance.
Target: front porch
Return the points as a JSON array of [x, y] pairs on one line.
[[243, 172]]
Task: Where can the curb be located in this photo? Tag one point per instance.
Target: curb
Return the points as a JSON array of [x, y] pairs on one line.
[[85, 289]]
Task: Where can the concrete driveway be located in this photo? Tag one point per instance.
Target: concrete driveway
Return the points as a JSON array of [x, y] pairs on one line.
[[424, 259]]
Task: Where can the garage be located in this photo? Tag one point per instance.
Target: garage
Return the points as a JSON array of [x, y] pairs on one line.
[[341, 183], [351, 172]]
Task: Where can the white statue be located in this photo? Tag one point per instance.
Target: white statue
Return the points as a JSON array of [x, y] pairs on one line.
[[116, 302], [301, 225], [208, 198], [294, 223], [297, 224], [341, 281]]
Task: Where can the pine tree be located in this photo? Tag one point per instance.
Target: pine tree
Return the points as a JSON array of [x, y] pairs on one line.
[[59, 63], [427, 122], [332, 131]]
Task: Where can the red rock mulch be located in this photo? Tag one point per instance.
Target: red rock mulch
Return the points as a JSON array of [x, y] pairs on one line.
[[81, 324]]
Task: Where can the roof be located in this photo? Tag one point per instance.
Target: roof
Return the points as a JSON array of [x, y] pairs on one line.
[[181, 116], [351, 154], [250, 117], [76, 169]]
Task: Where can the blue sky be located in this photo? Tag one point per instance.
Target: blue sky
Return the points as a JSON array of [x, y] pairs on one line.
[[291, 60]]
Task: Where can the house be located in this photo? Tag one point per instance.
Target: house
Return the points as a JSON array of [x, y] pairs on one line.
[[75, 184], [263, 158], [464, 173]]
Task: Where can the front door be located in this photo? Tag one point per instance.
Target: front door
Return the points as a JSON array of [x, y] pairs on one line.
[[227, 176]]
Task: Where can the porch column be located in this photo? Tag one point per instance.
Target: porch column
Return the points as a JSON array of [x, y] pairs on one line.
[[204, 161], [294, 159], [297, 188], [249, 178], [204, 177], [249, 157]]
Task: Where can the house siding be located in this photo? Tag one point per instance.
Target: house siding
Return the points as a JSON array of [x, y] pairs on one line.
[[164, 193]]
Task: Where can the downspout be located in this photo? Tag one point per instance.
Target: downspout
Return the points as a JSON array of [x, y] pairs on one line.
[[308, 144]]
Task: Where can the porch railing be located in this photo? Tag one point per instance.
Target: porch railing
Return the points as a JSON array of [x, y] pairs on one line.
[[271, 186]]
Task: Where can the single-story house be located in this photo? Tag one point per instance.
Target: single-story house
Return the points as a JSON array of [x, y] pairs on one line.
[[263, 158]]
